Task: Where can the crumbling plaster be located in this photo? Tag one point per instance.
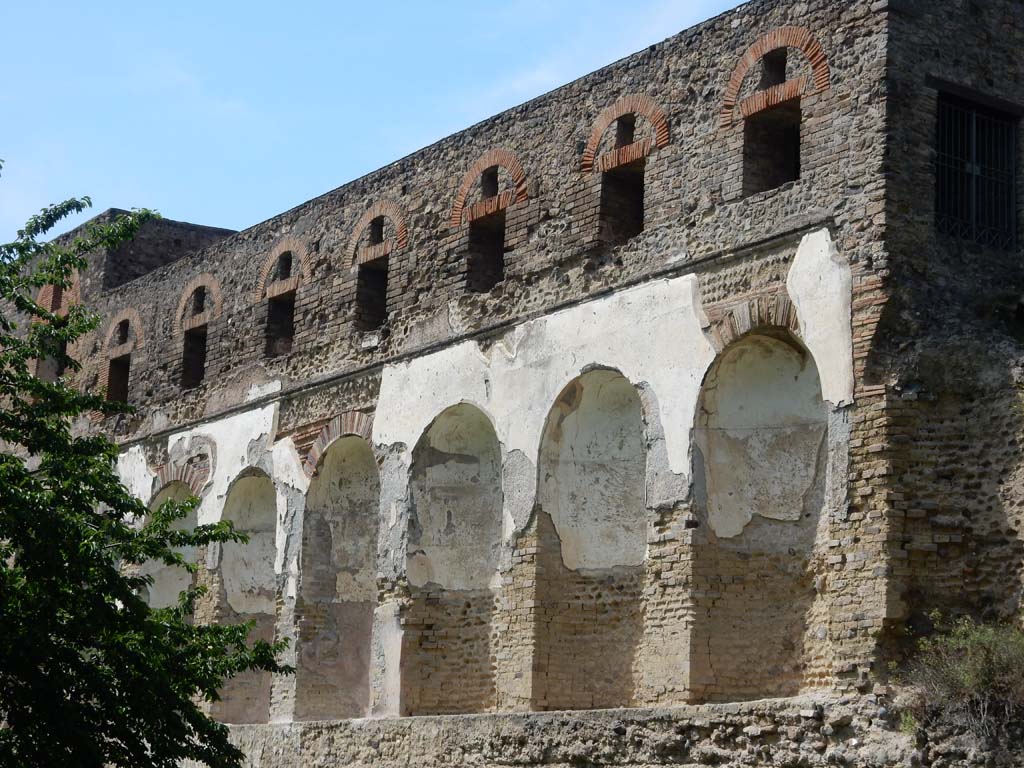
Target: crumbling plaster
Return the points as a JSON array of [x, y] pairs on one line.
[[820, 285], [517, 380], [761, 431], [661, 347], [237, 443], [135, 473], [655, 334]]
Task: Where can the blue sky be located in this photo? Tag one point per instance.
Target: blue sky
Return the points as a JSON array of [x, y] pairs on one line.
[[226, 113]]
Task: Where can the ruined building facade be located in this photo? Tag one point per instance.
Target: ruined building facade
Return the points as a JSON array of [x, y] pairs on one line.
[[692, 381]]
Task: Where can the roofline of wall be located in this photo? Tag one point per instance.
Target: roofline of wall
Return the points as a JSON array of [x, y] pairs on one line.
[[693, 29]]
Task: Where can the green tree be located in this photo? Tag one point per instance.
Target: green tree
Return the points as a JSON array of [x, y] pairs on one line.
[[89, 674]]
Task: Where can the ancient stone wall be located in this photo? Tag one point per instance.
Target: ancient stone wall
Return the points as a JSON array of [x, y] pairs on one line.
[[643, 393], [787, 732], [693, 205], [948, 350]]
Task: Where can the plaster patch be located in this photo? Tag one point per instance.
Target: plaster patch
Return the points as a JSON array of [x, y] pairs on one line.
[[340, 528], [760, 431], [257, 391], [820, 285], [592, 472], [135, 474], [661, 342], [248, 569], [232, 437], [456, 493], [170, 581]]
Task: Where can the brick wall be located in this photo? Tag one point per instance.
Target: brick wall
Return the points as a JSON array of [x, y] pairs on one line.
[[948, 350], [926, 497]]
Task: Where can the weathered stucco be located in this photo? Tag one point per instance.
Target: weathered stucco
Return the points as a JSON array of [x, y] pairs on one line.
[[761, 431], [592, 472], [517, 379], [570, 428], [170, 581], [456, 502], [728, 458], [247, 569], [819, 283]]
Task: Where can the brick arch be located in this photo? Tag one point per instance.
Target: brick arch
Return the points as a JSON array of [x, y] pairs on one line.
[[299, 252], [134, 323], [800, 38], [349, 423], [389, 210], [501, 157], [195, 479], [635, 104], [212, 286], [771, 310]]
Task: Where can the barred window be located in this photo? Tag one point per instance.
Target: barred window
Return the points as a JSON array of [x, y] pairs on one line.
[[975, 189]]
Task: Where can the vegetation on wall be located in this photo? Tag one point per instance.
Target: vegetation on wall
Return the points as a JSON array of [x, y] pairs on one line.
[[90, 675], [969, 676]]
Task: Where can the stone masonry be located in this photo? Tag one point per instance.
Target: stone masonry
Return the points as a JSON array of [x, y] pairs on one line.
[[577, 435]]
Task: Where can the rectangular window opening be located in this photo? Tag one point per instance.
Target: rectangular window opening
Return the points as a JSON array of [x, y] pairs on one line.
[[372, 294], [199, 301], [194, 357], [280, 325], [773, 68], [622, 203], [118, 374], [625, 130], [771, 148], [284, 266], [489, 182], [485, 266], [975, 173], [377, 231]]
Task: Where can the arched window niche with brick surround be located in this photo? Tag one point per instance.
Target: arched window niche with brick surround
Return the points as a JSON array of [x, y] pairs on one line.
[[613, 166], [246, 586], [198, 308], [591, 520], [447, 663], [489, 218], [765, 106], [168, 581], [338, 588], [283, 272], [760, 481], [379, 239], [124, 339]]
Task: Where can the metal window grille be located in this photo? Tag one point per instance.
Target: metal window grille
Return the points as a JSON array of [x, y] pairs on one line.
[[975, 190]]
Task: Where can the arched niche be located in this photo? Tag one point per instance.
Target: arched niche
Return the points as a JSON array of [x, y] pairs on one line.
[[454, 542], [338, 588], [592, 536], [248, 590], [456, 502], [170, 581], [593, 462], [760, 469]]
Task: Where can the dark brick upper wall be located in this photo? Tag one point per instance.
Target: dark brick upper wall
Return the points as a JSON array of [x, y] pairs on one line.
[[949, 344], [159, 242], [970, 49], [695, 211]]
